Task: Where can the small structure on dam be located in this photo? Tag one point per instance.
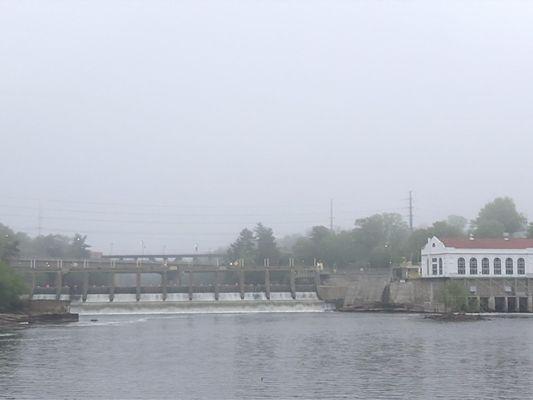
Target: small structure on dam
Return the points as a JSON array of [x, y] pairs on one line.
[[162, 284]]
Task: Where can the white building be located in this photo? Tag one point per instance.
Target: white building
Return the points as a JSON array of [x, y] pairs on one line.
[[470, 257]]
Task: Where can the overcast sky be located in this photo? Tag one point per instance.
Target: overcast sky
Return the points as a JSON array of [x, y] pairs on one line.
[[180, 122]]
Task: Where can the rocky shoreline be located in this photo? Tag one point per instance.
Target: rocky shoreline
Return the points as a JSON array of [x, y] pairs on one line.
[[9, 320], [39, 311]]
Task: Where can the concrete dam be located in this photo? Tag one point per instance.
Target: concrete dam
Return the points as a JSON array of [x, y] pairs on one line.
[[120, 286]]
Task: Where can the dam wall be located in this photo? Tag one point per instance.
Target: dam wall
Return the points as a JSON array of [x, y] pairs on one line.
[[360, 289]]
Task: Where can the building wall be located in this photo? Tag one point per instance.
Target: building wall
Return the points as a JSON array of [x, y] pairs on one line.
[[422, 295], [435, 250]]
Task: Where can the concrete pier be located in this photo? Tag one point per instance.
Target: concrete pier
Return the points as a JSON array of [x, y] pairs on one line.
[[217, 285], [492, 304], [138, 285], [59, 284], [190, 285], [292, 280], [33, 284], [85, 286], [164, 285], [241, 283], [267, 284], [112, 285]]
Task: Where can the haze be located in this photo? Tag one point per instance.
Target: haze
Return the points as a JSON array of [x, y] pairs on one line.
[[180, 123]]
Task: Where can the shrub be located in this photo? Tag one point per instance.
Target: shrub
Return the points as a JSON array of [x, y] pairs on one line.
[[454, 296], [11, 288]]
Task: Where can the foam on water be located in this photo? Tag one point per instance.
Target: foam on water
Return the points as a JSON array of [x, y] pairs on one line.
[[151, 297], [277, 296], [203, 297], [179, 303], [229, 297], [199, 307], [255, 296], [306, 296], [178, 297], [44, 297], [97, 298], [124, 298]]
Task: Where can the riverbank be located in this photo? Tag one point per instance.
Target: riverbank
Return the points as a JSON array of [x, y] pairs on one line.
[[39, 311], [9, 320]]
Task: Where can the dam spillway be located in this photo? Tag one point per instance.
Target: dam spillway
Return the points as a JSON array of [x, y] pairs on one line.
[[101, 287], [177, 303]]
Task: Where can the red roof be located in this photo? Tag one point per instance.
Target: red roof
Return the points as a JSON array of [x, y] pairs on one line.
[[488, 243]]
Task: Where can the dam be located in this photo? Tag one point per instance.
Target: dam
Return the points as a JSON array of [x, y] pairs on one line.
[[178, 284]]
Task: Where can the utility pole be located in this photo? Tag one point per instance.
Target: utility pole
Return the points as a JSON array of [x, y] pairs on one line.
[[411, 210], [40, 220], [331, 215]]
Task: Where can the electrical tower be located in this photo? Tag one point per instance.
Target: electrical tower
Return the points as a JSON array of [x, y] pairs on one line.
[[411, 210], [331, 215], [40, 220]]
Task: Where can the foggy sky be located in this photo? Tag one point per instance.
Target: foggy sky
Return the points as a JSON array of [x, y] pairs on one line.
[[181, 122]]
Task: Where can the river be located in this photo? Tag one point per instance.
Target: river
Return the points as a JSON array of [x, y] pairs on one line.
[[269, 356]]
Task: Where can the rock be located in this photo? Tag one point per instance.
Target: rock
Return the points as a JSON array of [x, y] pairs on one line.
[[455, 317]]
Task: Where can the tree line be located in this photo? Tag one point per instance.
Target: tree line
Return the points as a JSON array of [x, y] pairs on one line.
[[19, 244], [379, 240], [375, 241]]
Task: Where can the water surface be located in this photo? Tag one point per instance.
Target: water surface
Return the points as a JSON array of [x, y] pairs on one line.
[[278, 355]]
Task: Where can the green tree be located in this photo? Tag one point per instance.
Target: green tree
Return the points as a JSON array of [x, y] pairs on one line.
[[381, 239], [8, 243], [318, 245], [458, 222], [11, 288], [78, 247], [266, 245], [454, 296], [498, 217], [454, 226], [530, 231], [243, 248]]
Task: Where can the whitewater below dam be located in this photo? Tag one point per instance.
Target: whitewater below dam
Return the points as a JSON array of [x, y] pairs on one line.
[[325, 355], [179, 303]]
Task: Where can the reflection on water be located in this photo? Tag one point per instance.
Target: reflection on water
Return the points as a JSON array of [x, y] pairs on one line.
[[328, 355]]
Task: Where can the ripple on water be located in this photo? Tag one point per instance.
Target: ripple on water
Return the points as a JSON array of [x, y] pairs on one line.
[[270, 356]]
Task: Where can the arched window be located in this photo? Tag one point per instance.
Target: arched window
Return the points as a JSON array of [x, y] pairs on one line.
[[497, 266], [461, 266], [509, 266], [440, 266], [434, 268], [473, 266], [521, 266], [485, 266]]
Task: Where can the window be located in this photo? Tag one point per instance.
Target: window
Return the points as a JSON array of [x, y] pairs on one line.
[[485, 266], [509, 266], [521, 266], [461, 266], [440, 266], [473, 266], [497, 266], [434, 268]]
